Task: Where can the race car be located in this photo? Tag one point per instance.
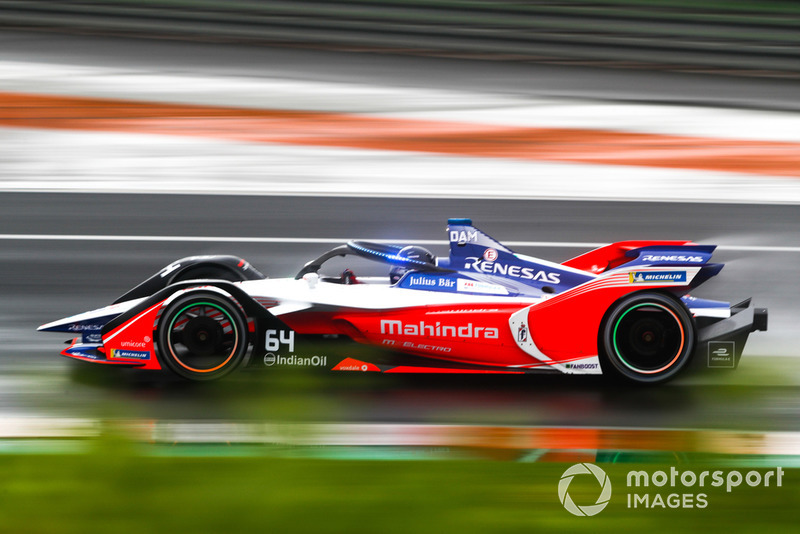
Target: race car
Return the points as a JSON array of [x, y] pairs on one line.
[[622, 309]]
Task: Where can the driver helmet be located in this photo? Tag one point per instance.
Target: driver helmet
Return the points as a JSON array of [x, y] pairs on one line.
[[411, 252]]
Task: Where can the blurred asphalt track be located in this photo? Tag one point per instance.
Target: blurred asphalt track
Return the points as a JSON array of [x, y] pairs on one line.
[[47, 278]]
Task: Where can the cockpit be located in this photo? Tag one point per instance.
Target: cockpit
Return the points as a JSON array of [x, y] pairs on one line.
[[399, 259]]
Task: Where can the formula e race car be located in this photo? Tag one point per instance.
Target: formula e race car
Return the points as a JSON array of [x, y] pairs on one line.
[[622, 309]]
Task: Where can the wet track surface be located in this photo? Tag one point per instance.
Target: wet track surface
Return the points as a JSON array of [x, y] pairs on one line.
[[44, 279]]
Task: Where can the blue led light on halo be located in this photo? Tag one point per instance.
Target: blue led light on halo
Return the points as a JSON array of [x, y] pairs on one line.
[[391, 258]]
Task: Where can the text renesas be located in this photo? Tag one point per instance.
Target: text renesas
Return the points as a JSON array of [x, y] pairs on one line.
[[515, 271]]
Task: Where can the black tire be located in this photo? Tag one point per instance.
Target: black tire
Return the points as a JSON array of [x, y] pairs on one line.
[[648, 337], [202, 336]]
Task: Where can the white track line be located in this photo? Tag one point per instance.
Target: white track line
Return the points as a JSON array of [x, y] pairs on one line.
[[123, 163], [337, 240]]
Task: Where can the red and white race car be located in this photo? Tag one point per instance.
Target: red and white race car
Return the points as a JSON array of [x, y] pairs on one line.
[[623, 308]]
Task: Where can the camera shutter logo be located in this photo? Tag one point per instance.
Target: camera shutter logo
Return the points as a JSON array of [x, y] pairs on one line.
[[584, 469]]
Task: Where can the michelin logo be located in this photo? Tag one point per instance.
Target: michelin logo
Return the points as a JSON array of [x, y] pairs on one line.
[[130, 354], [644, 277]]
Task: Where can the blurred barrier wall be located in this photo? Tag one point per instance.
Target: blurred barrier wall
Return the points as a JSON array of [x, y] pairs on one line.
[[752, 36]]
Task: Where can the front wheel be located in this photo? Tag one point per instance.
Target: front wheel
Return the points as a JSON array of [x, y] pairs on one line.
[[202, 336], [648, 337]]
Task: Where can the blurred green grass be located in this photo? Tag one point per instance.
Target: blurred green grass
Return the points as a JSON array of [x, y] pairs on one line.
[[116, 490]]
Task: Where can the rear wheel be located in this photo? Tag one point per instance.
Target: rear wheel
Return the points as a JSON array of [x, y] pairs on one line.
[[648, 337], [202, 336]]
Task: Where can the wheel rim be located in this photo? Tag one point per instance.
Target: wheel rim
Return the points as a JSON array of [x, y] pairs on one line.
[[202, 337], [649, 338]]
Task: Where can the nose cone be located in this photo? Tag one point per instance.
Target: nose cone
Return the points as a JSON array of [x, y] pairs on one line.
[[91, 321]]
